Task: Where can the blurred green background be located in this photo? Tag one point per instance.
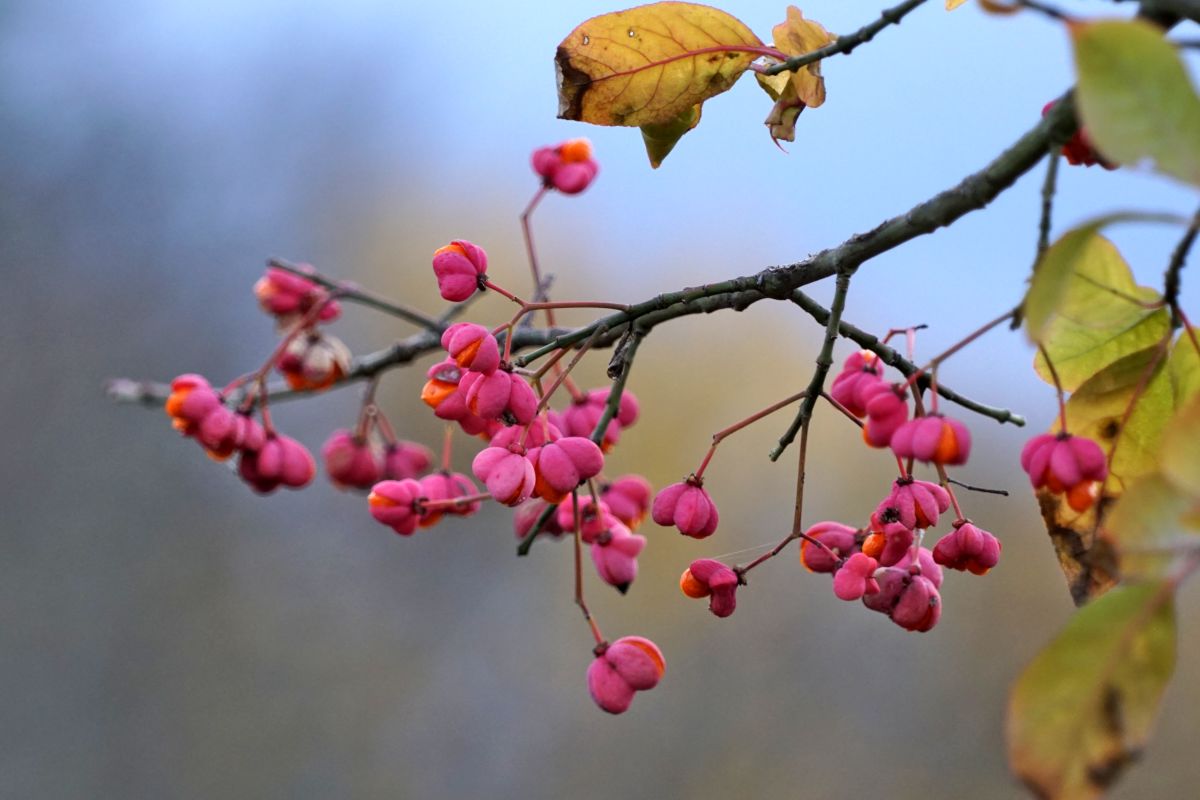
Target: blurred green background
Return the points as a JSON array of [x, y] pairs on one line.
[[168, 634]]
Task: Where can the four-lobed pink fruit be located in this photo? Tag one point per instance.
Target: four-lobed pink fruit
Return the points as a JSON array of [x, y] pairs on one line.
[[688, 507], [460, 268], [706, 577], [630, 664]]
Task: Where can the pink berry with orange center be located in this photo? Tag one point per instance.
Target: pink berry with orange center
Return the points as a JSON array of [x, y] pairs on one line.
[[460, 268], [1071, 465], [394, 503], [706, 577], [567, 167], [933, 439], [472, 346]]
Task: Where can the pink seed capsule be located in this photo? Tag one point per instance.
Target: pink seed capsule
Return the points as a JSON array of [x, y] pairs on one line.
[[394, 504], [886, 411], [916, 504], [564, 464], [630, 664], [350, 461], [615, 556], [860, 371], [688, 507], [933, 439], [968, 548], [472, 347], [706, 577], [507, 473], [628, 497], [842, 540], [459, 267], [856, 577]]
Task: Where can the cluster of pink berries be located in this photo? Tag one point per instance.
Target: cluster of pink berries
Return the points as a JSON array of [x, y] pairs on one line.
[[883, 563], [536, 458], [547, 464], [309, 360], [266, 459]]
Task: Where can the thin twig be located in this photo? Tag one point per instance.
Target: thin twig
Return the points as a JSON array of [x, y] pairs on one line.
[[1174, 275], [1049, 187], [613, 404], [892, 358], [778, 283], [816, 384], [358, 295], [846, 44]]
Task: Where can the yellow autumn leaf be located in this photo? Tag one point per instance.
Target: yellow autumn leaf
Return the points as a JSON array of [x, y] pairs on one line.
[[651, 64], [794, 37], [953, 4], [781, 122]]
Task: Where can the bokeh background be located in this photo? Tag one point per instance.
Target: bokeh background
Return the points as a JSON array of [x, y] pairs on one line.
[[168, 634]]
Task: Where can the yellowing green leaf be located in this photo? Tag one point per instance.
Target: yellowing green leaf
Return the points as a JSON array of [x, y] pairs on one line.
[[1157, 519], [1085, 309], [1181, 449], [660, 138], [1093, 547], [1135, 98], [1149, 523], [1097, 410], [1184, 366], [650, 65], [1081, 711]]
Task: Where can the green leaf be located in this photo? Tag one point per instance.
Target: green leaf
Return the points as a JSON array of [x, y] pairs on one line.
[[1135, 98], [1081, 711], [1086, 310]]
